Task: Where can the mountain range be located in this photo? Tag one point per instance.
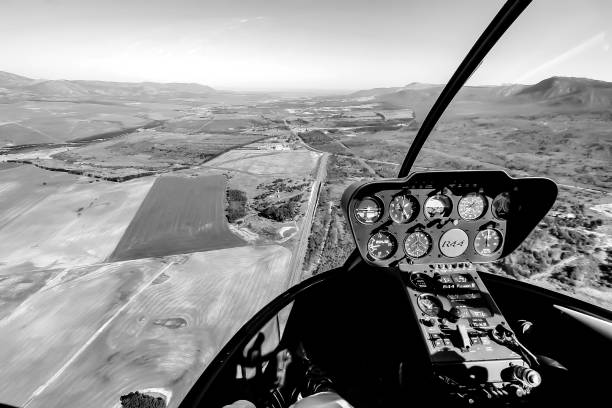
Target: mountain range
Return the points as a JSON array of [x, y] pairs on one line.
[[554, 92], [17, 86], [561, 92]]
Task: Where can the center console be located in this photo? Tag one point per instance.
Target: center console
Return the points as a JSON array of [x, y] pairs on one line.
[[471, 348], [434, 226]]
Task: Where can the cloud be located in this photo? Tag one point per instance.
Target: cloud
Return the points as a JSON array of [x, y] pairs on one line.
[[597, 39], [246, 20]]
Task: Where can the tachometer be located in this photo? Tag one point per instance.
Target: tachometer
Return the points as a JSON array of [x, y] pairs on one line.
[[472, 206], [501, 206], [488, 241], [368, 210], [437, 206], [417, 244], [403, 208], [382, 245]]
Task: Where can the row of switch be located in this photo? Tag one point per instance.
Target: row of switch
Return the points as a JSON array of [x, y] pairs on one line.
[[460, 265], [456, 281], [439, 340]]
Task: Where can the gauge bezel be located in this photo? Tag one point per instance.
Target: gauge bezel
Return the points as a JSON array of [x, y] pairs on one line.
[[499, 246], [450, 209], [392, 239], [429, 237], [416, 207], [435, 299], [485, 206], [378, 203]]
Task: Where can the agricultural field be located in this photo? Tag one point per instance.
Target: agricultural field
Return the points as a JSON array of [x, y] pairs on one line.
[[118, 257], [52, 219], [163, 339], [179, 215], [38, 122], [54, 319]]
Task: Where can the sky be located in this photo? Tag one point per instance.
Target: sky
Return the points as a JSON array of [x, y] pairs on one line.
[[306, 44]]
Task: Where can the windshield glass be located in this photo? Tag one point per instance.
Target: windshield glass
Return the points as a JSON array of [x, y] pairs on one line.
[[168, 168], [547, 114]]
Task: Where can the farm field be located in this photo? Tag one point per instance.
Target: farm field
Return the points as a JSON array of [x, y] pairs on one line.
[[52, 220], [178, 215], [33, 122], [167, 335], [107, 241], [51, 323], [267, 163]]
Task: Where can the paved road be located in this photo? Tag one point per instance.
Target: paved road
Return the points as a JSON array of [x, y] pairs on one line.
[[297, 260], [313, 267]]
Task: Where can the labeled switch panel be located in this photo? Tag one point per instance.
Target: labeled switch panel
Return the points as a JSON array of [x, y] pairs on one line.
[[456, 313]]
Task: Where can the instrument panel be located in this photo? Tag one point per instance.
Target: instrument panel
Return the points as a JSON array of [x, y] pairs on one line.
[[445, 216]]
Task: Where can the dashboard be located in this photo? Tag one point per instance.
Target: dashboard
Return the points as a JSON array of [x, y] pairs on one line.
[[445, 216]]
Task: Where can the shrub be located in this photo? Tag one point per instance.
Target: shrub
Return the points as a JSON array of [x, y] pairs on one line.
[[281, 212], [236, 208], [138, 400]]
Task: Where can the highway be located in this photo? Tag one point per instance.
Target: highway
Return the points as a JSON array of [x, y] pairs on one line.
[[297, 260]]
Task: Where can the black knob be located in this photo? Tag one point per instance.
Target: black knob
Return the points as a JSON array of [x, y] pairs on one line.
[[454, 314], [429, 322]]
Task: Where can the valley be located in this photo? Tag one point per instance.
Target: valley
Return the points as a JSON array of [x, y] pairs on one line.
[[141, 225]]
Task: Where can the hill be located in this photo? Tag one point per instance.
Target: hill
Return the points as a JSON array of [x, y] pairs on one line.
[[555, 92], [19, 87], [577, 92], [8, 80]]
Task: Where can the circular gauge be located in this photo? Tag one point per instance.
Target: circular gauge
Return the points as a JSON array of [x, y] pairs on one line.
[[381, 245], [501, 206], [488, 241], [438, 206], [430, 305], [368, 210], [403, 208], [472, 206], [453, 242], [420, 281], [417, 244]]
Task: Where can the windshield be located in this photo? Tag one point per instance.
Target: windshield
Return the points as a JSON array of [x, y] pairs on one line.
[[168, 168]]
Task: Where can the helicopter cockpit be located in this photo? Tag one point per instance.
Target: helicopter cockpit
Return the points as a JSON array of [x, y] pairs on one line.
[[434, 227], [409, 319]]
